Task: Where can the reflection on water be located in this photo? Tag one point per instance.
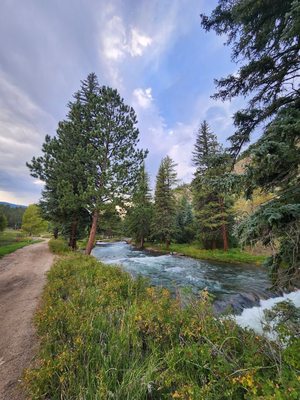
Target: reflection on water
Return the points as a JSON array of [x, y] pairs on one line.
[[174, 272]]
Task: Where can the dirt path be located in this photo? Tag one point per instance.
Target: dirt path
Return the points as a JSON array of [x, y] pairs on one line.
[[22, 277]]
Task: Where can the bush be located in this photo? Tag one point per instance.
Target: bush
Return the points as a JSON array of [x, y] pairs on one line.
[[107, 336], [58, 246]]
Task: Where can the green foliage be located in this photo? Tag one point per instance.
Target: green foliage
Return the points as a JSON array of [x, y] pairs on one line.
[[165, 205], [32, 222], [211, 201], [233, 256], [104, 335], [58, 246], [264, 35], [3, 222], [139, 216], [110, 223], [13, 215], [12, 240], [275, 165], [184, 222], [92, 161], [206, 147]]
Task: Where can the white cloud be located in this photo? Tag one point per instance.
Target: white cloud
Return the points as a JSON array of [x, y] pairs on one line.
[[138, 43], [142, 97], [117, 42]]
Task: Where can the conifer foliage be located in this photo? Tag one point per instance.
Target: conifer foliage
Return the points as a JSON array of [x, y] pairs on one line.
[[139, 216], [93, 161], [165, 203], [265, 36], [212, 205]]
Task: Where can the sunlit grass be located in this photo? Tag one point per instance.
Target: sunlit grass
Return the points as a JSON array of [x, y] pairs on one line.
[[230, 256], [105, 335]]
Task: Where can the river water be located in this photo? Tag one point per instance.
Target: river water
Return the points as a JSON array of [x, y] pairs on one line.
[[240, 286]]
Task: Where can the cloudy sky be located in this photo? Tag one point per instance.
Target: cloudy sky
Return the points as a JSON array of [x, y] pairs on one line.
[[153, 51]]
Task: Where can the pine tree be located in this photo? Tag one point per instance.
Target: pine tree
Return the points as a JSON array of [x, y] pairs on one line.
[[93, 161], [211, 203], [139, 216], [184, 222], [165, 204], [205, 148], [265, 36], [63, 169], [114, 158]]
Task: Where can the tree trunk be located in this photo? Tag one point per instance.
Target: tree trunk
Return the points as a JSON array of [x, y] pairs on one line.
[[55, 233], [224, 227], [214, 244], [93, 232], [73, 237], [167, 244], [142, 242], [224, 235]]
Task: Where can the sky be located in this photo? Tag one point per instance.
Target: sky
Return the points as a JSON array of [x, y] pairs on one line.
[[153, 51]]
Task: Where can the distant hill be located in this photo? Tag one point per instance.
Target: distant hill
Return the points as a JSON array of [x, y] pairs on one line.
[[4, 203]]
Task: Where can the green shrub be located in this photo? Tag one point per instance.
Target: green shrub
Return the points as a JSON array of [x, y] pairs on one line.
[[107, 336], [58, 246]]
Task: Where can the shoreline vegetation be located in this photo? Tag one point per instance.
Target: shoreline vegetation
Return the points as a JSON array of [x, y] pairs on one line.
[[105, 335], [12, 240], [232, 256]]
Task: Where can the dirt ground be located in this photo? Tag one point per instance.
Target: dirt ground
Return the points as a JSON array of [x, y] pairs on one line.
[[22, 277]]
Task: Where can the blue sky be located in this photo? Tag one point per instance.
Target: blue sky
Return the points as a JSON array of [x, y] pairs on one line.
[[154, 52]]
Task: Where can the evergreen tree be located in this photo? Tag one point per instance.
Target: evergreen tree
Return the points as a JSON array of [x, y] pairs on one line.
[[32, 222], [63, 169], [184, 222], [165, 204], [205, 148], [139, 216], [3, 222], [93, 160], [274, 167], [114, 160], [212, 205], [265, 35]]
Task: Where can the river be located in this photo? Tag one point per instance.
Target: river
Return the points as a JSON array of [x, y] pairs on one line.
[[240, 286]]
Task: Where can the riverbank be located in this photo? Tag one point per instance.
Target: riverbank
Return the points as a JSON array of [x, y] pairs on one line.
[[105, 335], [232, 256]]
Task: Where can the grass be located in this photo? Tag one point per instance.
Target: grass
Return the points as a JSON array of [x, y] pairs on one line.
[[12, 240], [235, 256], [58, 246], [105, 336]]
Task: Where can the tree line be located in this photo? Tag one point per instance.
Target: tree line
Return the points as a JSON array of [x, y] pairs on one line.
[[94, 161]]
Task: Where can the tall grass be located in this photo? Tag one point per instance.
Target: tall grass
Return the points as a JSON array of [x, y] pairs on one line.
[[107, 336], [192, 250], [58, 246]]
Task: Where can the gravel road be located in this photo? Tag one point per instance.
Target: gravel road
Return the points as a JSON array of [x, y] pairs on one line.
[[22, 277]]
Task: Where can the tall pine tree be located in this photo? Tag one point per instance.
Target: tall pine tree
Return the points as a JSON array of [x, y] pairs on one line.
[[211, 204], [139, 216], [206, 147], [165, 203]]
